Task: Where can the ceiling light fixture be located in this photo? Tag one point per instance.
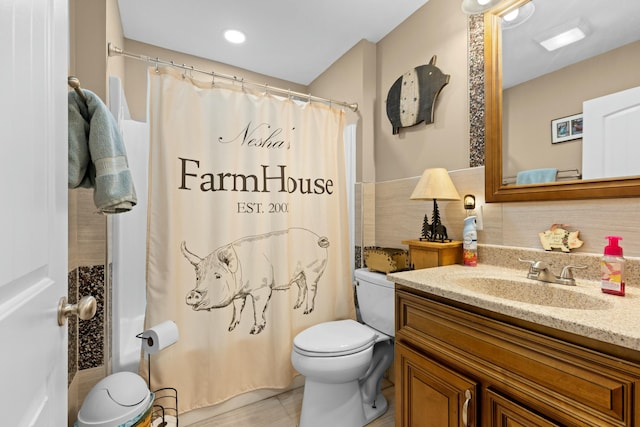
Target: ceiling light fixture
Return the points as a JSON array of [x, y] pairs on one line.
[[511, 16], [563, 39], [234, 36], [518, 16], [472, 7]]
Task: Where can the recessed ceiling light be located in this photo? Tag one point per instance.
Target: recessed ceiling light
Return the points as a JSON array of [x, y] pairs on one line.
[[563, 39], [511, 15], [234, 36], [478, 6], [518, 16]]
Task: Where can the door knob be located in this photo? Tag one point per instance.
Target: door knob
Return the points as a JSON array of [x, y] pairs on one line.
[[85, 309]]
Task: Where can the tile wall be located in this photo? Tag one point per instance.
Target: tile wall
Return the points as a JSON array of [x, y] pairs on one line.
[[86, 276], [505, 224]]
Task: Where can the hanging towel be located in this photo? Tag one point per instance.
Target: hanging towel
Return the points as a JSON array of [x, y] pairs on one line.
[[97, 157], [536, 176]]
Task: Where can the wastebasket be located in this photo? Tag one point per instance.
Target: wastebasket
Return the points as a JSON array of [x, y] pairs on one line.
[[119, 400]]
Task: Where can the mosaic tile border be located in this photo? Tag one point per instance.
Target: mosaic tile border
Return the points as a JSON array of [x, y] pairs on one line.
[[72, 326], [91, 333], [476, 90], [358, 257]]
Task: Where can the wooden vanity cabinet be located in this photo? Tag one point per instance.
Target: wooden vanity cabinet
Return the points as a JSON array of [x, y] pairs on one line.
[[456, 365]]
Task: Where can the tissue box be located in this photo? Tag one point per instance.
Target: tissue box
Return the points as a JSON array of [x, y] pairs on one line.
[[386, 260]]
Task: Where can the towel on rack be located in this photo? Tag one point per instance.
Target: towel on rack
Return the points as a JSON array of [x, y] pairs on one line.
[[536, 176], [97, 156]]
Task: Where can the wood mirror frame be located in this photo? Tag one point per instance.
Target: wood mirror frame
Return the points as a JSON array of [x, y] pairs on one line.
[[495, 191]]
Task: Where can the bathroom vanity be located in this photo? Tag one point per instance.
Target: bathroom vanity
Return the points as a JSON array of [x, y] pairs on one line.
[[464, 357]]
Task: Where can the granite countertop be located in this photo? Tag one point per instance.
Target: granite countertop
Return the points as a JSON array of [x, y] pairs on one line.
[[607, 318]]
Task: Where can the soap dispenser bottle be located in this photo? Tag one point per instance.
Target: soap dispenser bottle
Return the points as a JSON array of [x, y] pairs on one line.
[[612, 268], [470, 242]]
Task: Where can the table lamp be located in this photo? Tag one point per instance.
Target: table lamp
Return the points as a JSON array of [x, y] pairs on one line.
[[435, 184]]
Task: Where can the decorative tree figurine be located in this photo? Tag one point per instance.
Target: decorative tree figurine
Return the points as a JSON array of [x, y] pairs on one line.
[[438, 231], [426, 229], [435, 221]]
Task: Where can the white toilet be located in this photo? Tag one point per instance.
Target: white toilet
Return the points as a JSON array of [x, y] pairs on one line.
[[344, 361]]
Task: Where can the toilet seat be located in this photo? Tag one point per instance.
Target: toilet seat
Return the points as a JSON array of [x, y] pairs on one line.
[[337, 338]]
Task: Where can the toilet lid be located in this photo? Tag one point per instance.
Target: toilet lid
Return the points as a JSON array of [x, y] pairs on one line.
[[337, 338]]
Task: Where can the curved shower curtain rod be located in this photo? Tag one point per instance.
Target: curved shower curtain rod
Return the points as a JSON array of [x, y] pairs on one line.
[[113, 50]]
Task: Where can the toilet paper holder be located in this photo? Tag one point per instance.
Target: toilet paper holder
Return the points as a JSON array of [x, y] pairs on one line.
[[149, 340], [159, 337], [160, 408]]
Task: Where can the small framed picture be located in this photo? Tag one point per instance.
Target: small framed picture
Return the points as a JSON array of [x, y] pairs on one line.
[[566, 128]]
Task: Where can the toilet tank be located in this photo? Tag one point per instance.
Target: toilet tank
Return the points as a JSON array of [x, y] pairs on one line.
[[376, 300]]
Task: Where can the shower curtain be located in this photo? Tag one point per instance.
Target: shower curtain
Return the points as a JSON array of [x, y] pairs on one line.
[[248, 233]]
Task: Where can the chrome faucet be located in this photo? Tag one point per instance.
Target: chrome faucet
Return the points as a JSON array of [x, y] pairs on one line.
[[538, 270]]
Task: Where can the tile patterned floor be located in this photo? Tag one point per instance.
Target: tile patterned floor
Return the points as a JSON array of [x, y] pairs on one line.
[[283, 410]]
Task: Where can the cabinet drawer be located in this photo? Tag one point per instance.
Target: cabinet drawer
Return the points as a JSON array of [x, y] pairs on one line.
[[551, 376]]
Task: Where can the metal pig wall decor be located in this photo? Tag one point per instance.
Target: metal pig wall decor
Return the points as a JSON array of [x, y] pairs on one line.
[[412, 97]]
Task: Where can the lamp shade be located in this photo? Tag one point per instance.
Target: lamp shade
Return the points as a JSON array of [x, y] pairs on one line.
[[472, 7], [435, 184]]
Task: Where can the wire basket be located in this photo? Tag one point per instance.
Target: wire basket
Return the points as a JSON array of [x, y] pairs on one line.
[[165, 408]]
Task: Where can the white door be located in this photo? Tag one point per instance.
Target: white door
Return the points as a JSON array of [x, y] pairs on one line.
[[33, 211], [610, 140]]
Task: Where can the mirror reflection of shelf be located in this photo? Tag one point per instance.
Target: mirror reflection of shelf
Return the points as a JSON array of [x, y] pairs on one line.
[[563, 175]]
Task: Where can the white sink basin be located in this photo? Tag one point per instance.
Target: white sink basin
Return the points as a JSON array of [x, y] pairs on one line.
[[531, 292]]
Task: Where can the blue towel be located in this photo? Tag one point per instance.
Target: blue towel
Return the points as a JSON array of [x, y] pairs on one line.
[[536, 176], [97, 156]]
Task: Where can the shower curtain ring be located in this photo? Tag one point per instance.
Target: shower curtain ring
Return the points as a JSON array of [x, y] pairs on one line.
[[157, 69]]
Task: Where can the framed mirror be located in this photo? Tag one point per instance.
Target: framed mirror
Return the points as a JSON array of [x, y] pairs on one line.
[[497, 187]]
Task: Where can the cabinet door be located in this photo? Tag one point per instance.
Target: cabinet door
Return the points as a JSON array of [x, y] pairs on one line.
[[431, 395], [503, 412]]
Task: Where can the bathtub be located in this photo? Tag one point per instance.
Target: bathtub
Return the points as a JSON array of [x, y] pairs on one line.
[[127, 245], [128, 255]]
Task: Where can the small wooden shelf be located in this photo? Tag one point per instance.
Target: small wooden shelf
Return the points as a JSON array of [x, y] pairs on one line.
[[424, 254]]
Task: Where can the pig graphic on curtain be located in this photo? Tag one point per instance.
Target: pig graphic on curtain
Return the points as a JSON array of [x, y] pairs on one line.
[[232, 274]]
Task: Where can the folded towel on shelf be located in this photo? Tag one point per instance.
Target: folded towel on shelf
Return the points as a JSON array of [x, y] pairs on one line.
[[536, 176], [97, 156]]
